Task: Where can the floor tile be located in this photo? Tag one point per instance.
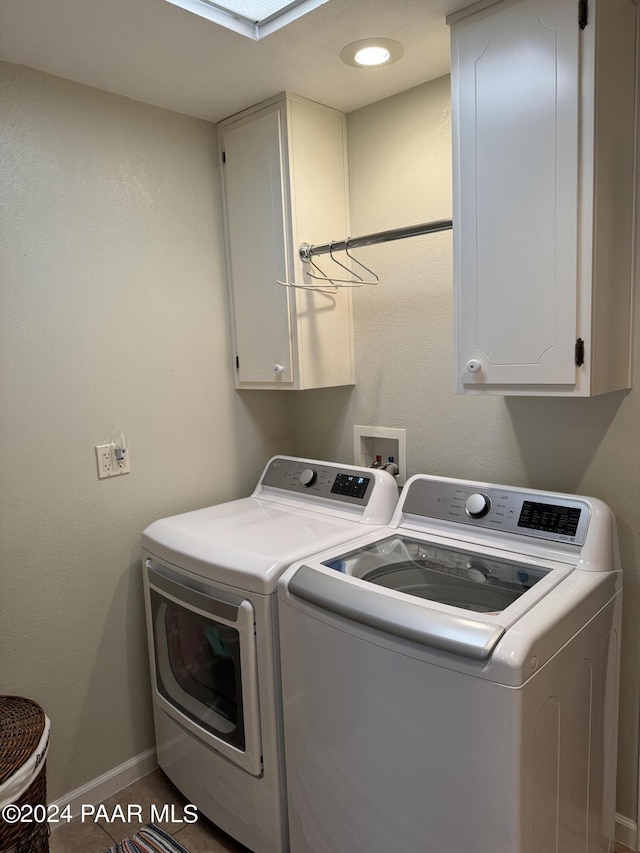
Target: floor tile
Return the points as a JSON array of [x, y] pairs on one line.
[[79, 837], [204, 837], [153, 789]]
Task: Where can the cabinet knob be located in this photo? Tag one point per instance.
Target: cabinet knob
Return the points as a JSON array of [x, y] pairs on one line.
[[473, 365], [278, 368]]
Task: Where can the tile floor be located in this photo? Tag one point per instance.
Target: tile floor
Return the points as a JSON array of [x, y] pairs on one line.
[[95, 837]]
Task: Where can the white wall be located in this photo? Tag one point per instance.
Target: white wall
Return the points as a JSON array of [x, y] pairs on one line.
[[113, 313], [400, 174]]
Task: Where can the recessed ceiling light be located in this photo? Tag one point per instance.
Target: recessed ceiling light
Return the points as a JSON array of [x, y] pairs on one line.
[[369, 53], [252, 18]]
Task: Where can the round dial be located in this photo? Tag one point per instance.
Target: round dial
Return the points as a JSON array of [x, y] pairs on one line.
[[477, 505], [308, 477]]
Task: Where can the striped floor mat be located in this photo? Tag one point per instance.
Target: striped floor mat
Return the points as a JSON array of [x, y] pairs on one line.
[[149, 839]]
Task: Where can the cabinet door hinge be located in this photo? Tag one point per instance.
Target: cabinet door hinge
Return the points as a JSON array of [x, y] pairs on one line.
[[579, 352], [583, 13], [237, 362]]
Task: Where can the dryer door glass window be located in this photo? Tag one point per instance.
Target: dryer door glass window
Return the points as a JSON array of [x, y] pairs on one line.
[[204, 661], [449, 576], [198, 668]]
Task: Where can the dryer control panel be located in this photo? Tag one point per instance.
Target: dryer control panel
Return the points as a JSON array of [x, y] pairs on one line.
[[334, 482], [546, 516]]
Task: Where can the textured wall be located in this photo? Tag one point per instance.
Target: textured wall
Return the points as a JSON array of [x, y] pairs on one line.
[[400, 174], [113, 313]]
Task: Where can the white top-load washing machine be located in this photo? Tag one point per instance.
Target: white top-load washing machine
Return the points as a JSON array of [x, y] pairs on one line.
[[210, 594], [450, 683]]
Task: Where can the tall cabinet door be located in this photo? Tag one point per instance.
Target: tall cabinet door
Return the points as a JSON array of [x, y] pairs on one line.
[[255, 194], [516, 126]]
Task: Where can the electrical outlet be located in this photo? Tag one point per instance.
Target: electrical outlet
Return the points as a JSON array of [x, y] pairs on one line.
[[104, 457], [109, 465], [120, 465]]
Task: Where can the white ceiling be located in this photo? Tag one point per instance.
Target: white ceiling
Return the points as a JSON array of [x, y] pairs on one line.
[[155, 52]]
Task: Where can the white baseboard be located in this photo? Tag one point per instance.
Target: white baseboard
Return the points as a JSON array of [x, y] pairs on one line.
[[626, 832], [109, 783]]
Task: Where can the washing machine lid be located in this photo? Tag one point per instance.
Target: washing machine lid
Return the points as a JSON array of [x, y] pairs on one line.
[[432, 591], [506, 613], [423, 569], [429, 590], [245, 543]]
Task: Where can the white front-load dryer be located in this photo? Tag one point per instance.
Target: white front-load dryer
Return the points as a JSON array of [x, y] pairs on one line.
[[450, 683], [210, 595]]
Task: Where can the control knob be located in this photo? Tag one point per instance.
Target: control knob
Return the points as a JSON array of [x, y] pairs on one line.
[[477, 505], [308, 477]]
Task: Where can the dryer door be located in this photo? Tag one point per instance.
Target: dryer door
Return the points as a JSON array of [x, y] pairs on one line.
[[202, 643]]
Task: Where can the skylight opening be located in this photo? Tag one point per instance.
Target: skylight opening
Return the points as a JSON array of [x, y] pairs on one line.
[[252, 18]]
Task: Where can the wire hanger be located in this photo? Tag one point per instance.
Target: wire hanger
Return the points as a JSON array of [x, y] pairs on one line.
[[328, 284], [374, 280], [356, 279]]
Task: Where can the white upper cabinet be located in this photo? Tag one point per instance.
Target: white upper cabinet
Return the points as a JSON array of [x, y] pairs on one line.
[[285, 183], [544, 174]]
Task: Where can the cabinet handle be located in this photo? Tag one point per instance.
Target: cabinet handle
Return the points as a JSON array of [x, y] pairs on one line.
[[473, 365], [278, 368]]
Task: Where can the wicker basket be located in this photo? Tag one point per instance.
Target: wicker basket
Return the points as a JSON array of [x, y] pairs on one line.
[[22, 725]]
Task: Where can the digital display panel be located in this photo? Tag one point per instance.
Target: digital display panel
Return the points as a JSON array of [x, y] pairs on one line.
[[351, 485], [549, 518]]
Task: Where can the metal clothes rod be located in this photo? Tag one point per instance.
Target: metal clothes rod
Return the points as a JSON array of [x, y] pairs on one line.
[[307, 250]]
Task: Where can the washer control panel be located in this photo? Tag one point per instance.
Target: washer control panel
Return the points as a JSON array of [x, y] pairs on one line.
[[556, 517], [333, 482]]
